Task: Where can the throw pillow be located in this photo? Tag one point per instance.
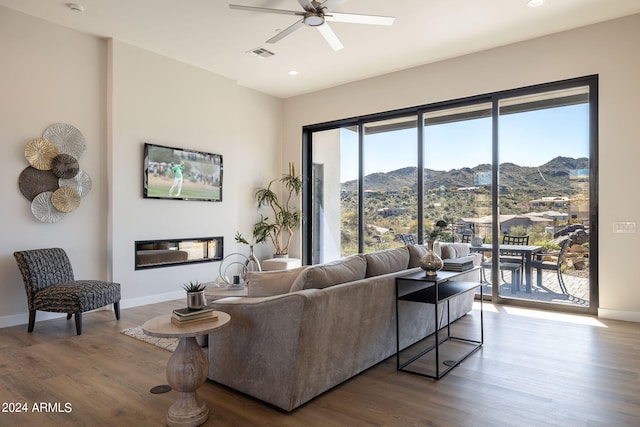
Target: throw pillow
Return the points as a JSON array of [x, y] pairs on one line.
[[415, 253], [462, 249], [268, 283], [387, 261], [333, 273], [448, 251]]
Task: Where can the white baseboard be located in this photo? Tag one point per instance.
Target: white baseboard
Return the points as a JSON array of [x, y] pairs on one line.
[[152, 299], [627, 316], [23, 318]]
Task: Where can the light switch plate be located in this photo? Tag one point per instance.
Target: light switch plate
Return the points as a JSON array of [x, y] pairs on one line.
[[624, 227]]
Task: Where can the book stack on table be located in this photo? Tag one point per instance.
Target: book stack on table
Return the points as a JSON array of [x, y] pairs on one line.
[[185, 317], [457, 264]]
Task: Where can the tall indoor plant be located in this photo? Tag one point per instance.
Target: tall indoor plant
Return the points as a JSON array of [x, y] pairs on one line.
[[283, 218]]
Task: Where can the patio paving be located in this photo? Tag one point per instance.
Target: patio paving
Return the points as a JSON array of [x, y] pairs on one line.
[[577, 288]]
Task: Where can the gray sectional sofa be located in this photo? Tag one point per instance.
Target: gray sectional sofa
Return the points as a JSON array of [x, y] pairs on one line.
[[301, 332]]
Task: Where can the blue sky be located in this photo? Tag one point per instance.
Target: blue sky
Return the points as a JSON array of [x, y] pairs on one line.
[[526, 139]]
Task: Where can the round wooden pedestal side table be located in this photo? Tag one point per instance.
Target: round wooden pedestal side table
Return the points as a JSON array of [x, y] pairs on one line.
[[187, 367]]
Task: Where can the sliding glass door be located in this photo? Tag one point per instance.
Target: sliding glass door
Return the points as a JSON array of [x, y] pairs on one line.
[[544, 194], [513, 174], [334, 185], [457, 150], [390, 198]]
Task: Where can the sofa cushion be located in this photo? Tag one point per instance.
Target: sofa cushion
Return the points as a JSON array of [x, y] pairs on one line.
[[462, 249], [268, 283], [415, 253], [332, 273], [387, 261], [447, 251]]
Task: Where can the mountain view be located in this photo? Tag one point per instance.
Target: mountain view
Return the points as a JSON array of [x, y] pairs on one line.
[[549, 178]]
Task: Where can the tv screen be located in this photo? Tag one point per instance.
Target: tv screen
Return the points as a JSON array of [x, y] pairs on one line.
[[182, 174]]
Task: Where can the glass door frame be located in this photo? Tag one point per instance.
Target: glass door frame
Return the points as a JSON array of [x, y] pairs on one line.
[[494, 98]]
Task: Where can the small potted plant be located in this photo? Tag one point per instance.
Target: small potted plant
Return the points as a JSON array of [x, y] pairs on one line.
[[196, 299]]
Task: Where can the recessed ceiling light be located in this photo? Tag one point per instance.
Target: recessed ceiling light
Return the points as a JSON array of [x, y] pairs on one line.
[[75, 7], [293, 73], [535, 3]]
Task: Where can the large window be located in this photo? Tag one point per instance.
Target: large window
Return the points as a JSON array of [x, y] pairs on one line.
[[514, 163]]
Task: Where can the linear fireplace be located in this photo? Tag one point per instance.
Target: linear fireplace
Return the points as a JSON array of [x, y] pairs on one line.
[[169, 252]]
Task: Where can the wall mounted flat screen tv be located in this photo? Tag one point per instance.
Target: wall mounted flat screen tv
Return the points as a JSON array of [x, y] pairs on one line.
[[182, 174]]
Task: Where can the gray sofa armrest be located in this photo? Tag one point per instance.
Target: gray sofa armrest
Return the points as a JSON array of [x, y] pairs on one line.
[[257, 353]]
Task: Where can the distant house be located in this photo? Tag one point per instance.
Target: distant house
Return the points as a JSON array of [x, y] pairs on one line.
[[482, 225], [550, 202], [386, 212]]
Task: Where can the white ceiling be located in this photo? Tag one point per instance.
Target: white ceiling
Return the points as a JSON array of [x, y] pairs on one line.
[[209, 35]]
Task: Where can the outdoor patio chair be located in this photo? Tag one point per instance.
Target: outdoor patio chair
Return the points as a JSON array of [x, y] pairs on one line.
[[408, 239], [516, 274], [50, 286], [514, 257], [540, 264]]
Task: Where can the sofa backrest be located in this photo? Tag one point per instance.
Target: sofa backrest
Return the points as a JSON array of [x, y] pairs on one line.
[[444, 250], [332, 273], [269, 283], [387, 261]]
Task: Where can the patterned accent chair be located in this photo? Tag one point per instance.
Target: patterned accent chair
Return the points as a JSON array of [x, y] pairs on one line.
[[50, 286]]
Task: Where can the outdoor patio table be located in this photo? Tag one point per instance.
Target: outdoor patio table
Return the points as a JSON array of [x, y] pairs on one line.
[[528, 251]]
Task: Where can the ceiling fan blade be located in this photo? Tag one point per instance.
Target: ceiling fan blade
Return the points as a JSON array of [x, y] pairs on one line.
[[353, 18], [330, 36], [264, 9], [284, 33]]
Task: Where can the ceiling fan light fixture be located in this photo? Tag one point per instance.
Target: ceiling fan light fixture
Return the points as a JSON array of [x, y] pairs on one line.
[[313, 19]]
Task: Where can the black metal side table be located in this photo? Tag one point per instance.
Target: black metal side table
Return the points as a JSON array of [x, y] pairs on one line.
[[418, 287]]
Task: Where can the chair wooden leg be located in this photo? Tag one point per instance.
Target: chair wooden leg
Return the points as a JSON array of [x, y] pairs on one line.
[[32, 320], [69, 315], [116, 309], [79, 323]]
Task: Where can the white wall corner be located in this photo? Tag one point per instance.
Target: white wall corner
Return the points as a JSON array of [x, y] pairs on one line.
[[627, 316]]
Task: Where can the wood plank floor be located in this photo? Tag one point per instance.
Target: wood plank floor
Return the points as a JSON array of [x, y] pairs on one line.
[[535, 369]]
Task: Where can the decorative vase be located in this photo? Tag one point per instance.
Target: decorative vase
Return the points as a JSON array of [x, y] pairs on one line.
[[196, 300], [252, 263], [281, 255], [431, 263]]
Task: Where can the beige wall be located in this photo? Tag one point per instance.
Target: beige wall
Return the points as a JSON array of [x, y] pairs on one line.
[[49, 74], [120, 96], [159, 100], [608, 49]]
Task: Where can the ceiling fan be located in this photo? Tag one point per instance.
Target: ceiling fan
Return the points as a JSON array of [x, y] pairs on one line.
[[316, 14]]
